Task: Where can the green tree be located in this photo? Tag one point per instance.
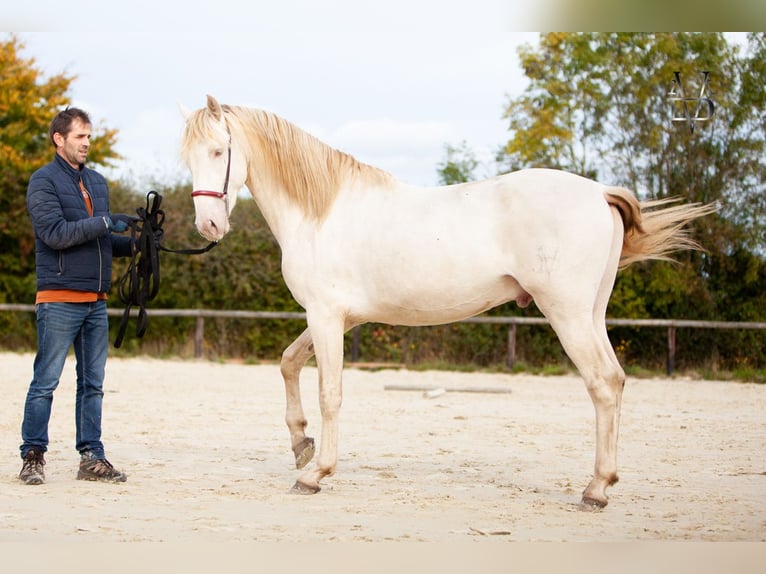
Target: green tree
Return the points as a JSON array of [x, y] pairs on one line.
[[598, 104], [459, 164]]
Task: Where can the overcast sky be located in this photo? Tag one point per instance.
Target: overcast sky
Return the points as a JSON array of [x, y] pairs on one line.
[[390, 85]]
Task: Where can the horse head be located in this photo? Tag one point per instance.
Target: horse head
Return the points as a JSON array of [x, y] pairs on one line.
[[218, 168]]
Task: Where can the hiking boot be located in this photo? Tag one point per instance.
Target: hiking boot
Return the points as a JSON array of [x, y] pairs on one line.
[[92, 468], [32, 469]]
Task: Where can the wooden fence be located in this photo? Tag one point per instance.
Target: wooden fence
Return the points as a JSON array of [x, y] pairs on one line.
[[513, 322]]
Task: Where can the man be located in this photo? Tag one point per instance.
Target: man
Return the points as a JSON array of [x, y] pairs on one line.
[[69, 207]]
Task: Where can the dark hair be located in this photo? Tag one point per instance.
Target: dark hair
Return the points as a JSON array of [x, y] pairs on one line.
[[62, 123]]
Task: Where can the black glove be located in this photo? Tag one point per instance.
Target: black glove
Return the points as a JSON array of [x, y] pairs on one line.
[[119, 222]]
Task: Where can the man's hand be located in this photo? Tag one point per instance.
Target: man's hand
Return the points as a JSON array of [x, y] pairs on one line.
[[118, 222]]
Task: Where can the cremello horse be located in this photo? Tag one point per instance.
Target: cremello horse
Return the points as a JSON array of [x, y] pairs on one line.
[[359, 246]]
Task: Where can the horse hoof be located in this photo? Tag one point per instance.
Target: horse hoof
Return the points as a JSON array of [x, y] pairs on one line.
[[304, 452], [300, 488], [589, 504]]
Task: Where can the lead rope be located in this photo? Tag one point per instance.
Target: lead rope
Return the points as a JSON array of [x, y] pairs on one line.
[[141, 282]]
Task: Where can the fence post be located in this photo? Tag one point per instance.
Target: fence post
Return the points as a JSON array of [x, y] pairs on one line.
[[510, 360], [199, 335], [355, 336], [671, 350]]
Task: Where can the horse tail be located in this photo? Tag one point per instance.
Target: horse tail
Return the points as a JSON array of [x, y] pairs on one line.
[[655, 229]]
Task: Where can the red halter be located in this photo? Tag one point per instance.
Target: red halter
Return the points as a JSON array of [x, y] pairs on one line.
[[219, 194]]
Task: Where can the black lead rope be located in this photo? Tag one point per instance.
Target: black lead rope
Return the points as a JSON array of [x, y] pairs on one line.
[[141, 282]]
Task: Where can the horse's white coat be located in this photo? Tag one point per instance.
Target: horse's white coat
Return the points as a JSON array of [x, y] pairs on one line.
[[359, 246]]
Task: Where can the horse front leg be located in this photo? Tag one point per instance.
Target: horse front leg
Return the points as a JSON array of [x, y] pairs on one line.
[[293, 360], [327, 336]]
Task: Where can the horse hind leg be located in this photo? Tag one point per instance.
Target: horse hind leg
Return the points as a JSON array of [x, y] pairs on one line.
[[584, 338], [606, 396], [293, 360], [604, 380], [605, 386]]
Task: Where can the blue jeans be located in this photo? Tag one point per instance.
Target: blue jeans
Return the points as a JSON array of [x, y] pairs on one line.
[[59, 326]]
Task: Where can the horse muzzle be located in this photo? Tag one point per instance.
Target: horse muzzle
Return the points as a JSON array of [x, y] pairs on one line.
[[211, 230], [212, 219]]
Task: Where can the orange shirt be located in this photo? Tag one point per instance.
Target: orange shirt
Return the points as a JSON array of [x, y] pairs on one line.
[[70, 295]]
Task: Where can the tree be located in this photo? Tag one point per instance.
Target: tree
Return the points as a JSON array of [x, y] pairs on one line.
[[598, 104], [458, 166], [28, 103]]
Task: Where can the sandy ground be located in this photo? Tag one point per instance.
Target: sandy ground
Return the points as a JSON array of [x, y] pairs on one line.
[[208, 459]]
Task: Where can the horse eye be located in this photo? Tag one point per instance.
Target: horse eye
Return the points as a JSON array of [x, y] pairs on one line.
[[217, 153]]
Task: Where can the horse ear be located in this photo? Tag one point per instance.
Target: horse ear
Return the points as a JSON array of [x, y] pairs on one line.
[[214, 108], [185, 112]]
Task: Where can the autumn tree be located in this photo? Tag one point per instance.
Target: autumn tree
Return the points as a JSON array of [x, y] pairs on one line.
[[28, 103]]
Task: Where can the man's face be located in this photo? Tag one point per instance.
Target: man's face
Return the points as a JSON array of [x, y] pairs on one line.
[[74, 147]]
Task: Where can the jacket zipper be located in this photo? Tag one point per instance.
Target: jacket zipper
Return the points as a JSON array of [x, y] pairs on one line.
[[100, 265], [98, 241]]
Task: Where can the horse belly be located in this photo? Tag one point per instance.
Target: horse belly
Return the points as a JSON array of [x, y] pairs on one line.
[[425, 302]]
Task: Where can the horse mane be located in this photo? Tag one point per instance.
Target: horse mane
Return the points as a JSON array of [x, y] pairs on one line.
[[308, 171]]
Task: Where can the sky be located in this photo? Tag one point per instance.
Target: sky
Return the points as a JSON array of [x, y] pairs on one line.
[[392, 85]]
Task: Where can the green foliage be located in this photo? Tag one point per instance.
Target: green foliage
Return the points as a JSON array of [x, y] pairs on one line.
[[458, 166], [241, 273], [596, 104]]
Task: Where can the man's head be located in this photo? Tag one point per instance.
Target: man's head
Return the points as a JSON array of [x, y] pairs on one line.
[[70, 134]]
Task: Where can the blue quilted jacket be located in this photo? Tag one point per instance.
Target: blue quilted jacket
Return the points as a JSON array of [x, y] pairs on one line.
[[72, 249]]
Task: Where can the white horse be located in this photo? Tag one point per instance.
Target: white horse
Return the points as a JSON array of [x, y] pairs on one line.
[[359, 246]]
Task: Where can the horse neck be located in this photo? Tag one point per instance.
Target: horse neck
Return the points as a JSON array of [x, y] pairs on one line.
[[281, 214], [295, 178]]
